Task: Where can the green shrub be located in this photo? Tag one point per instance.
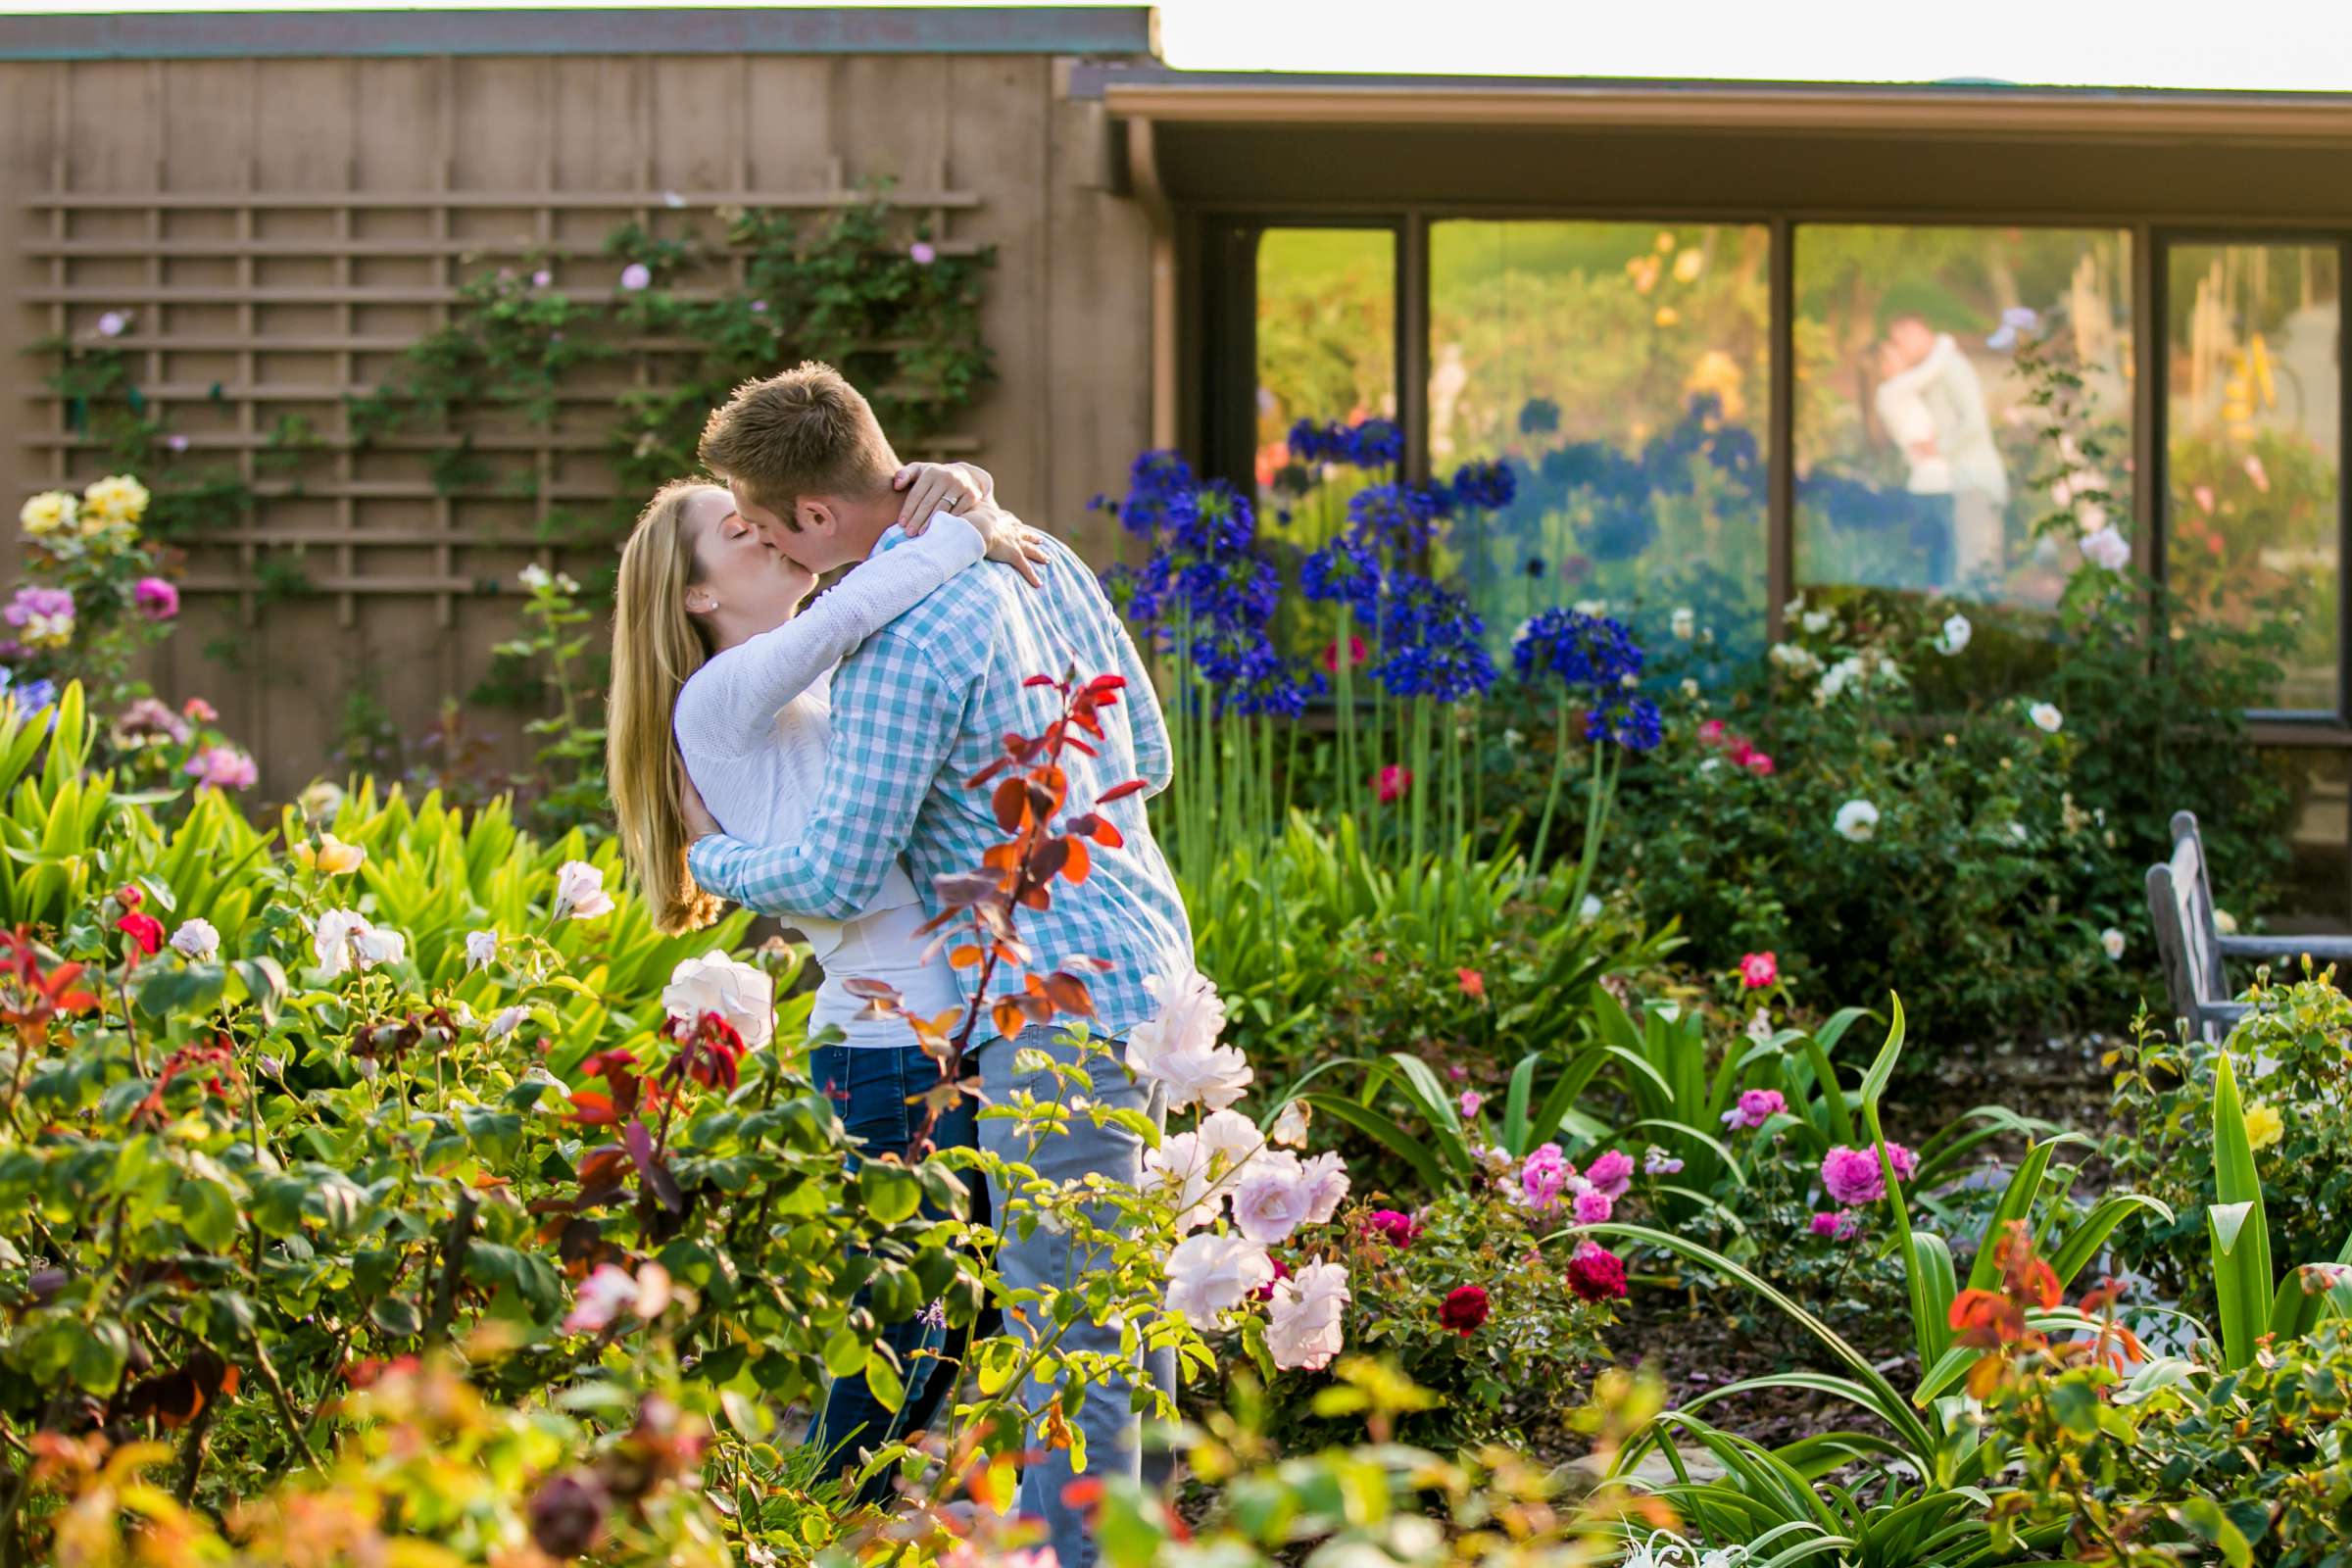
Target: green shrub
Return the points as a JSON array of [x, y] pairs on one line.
[[2297, 1130]]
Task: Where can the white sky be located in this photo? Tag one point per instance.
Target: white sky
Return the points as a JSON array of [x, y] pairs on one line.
[[2288, 44]]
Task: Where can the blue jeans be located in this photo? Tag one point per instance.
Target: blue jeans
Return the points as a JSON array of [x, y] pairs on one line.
[[1045, 1259], [869, 1086]]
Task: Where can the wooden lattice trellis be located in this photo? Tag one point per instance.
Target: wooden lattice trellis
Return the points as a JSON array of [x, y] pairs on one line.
[[248, 230]]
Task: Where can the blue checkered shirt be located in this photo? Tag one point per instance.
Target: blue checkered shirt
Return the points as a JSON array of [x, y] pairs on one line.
[[924, 705]]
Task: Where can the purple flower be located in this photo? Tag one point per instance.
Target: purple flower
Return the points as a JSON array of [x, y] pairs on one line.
[[223, 767], [922, 253], [1836, 1227], [42, 602], [114, 323], [542, 278], [177, 442], [155, 599], [1756, 1108], [636, 276], [1655, 1161], [1611, 1174], [1592, 1206], [1853, 1175], [1545, 1176]]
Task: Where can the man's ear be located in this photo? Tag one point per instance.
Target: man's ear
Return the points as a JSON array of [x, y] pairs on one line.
[[700, 599], [815, 515]]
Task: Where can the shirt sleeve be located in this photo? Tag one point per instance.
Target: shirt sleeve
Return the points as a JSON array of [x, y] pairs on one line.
[[729, 707], [895, 716]]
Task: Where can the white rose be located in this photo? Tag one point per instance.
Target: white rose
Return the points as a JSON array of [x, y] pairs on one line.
[[1590, 909], [1815, 621], [481, 947], [1180, 1167], [1206, 1274], [2046, 718], [2224, 922], [1272, 1198], [196, 938], [1685, 623], [1591, 607], [743, 996], [1178, 1047], [1290, 1127], [505, 1024], [580, 892], [332, 940], [372, 946], [1955, 635], [1857, 821], [536, 576], [1325, 1179], [1231, 1136], [2113, 941], [2104, 547], [1305, 1331]]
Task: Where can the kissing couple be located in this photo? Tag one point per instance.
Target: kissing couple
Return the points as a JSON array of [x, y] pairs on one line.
[[831, 741]]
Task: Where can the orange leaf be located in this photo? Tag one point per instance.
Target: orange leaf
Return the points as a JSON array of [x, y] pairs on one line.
[[1007, 1017], [1080, 861], [964, 958]]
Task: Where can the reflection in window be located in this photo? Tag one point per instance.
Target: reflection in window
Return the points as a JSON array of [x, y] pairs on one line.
[[1622, 369], [1920, 463], [1326, 352], [2252, 388]]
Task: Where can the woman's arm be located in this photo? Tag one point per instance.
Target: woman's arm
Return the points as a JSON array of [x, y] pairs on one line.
[[729, 705]]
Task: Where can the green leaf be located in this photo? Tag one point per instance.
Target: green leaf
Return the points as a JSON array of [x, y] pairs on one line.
[[890, 1193], [102, 1351], [882, 1380], [844, 1353], [209, 1214], [397, 1317]]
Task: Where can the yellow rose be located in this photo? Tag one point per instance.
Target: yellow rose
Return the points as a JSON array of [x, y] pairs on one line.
[[331, 858], [1688, 265], [47, 513], [2264, 1126], [117, 497], [1667, 315]]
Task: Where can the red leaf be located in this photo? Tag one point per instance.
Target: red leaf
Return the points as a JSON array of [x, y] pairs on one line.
[[592, 1109], [1069, 994], [1118, 791], [1041, 680], [1080, 861], [1050, 859], [1103, 833], [656, 1175], [602, 1165], [1102, 684], [1007, 800]]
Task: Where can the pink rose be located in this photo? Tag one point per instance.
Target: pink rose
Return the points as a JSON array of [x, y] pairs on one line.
[[1853, 1176], [1391, 783], [1756, 1108], [155, 598], [1612, 1173], [1758, 970], [1594, 1206]]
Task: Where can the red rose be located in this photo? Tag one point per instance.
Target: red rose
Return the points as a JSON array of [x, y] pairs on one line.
[[1266, 1291], [1595, 1274], [144, 929], [1473, 984], [1464, 1311]]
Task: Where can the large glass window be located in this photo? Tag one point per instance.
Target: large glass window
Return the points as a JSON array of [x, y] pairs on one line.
[[1623, 370], [1922, 462], [2253, 383], [1326, 351]]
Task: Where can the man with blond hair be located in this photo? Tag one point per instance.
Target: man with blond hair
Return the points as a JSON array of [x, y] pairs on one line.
[[925, 704]]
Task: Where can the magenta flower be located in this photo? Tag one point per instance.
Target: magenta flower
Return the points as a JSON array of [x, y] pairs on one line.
[[542, 278], [1472, 1099], [1398, 1230], [1611, 1173], [1594, 1206], [1594, 1273], [1545, 1176], [636, 276], [1758, 970], [922, 253], [223, 767], [157, 599], [1840, 1226], [1853, 1175], [40, 603], [1756, 1108]]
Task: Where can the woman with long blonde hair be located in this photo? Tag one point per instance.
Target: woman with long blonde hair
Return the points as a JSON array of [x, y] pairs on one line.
[[715, 664]]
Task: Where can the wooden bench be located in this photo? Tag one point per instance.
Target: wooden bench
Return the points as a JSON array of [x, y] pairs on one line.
[[2192, 946]]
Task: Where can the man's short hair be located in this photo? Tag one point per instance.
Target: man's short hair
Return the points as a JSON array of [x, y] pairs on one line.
[[807, 432]]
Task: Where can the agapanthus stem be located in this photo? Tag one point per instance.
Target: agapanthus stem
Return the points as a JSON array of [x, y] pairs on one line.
[[1597, 820], [1552, 797]]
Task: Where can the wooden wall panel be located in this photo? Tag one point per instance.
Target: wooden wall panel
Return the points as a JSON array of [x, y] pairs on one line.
[[282, 227]]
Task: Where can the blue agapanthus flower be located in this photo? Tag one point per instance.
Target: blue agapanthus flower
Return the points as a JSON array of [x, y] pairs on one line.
[[1344, 569], [1539, 417], [1485, 486], [1594, 653], [1376, 444], [1632, 723]]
